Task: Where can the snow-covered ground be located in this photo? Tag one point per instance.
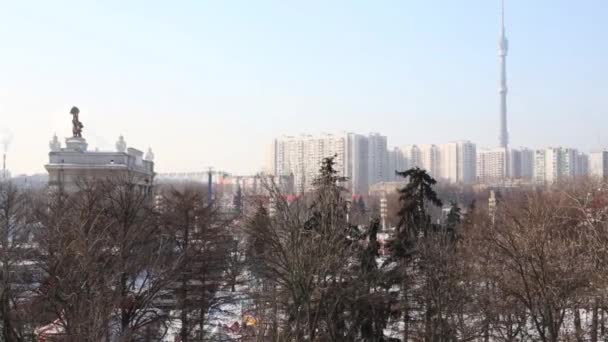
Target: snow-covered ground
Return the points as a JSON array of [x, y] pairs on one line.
[[224, 323]]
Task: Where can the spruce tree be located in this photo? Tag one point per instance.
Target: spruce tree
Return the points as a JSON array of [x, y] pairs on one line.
[[414, 220], [453, 220], [414, 223], [372, 310]]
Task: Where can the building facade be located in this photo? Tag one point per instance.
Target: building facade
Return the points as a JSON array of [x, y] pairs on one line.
[[527, 163], [301, 156], [493, 165], [501, 164], [377, 158], [598, 163], [357, 157], [70, 164], [396, 162], [413, 156], [555, 164], [431, 159], [458, 162]]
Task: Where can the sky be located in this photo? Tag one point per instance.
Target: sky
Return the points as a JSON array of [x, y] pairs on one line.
[[210, 83]]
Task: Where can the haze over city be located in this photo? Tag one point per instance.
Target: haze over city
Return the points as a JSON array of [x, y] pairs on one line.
[[210, 84], [303, 171]]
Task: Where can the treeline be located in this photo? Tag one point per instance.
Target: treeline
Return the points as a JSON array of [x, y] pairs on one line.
[[110, 262], [530, 267]]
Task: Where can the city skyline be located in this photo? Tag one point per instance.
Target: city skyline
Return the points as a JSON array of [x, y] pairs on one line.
[[417, 73], [366, 162]]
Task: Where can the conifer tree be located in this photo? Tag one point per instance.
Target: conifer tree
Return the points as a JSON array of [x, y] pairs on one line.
[[453, 220], [414, 223], [372, 310]]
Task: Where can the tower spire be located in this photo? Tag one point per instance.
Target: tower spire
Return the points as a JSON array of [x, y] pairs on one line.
[[503, 47], [502, 15]]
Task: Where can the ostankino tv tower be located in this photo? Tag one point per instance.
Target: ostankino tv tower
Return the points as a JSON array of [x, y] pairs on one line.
[[503, 47]]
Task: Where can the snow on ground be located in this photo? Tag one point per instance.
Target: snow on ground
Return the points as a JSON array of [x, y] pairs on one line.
[[224, 322]]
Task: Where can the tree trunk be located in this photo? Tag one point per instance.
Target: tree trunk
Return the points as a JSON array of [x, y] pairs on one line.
[[201, 323], [486, 324], [577, 325], [405, 306], [124, 313], [275, 315], [7, 326], [184, 314], [406, 319], [594, 321], [203, 307], [185, 277], [602, 321], [428, 321]]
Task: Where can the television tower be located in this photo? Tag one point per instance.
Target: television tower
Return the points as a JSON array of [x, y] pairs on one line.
[[503, 48]]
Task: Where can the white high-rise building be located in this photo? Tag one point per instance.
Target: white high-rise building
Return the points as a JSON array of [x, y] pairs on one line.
[[378, 158], [396, 162], [468, 161], [527, 163], [431, 159], [582, 164], [558, 163], [356, 163], [302, 156], [449, 162], [598, 163], [569, 162], [493, 165], [413, 156], [288, 154], [425, 156], [458, 162], [540, 166], [514, 159], [499, 164]]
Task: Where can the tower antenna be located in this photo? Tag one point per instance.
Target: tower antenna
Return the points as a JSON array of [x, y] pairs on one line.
[[502, 14]]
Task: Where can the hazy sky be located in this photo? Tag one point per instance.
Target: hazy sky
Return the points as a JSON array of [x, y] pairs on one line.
[[209, 83]]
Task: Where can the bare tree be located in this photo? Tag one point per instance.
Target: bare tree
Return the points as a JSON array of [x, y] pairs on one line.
[[78, 262], [307, 260], [588, 198], [110, 264], [202, 244], [16, 273], [142, 259], [537, 254], [500, 315]]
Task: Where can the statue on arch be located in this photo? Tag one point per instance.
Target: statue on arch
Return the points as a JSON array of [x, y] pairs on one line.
[[76, 124]]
